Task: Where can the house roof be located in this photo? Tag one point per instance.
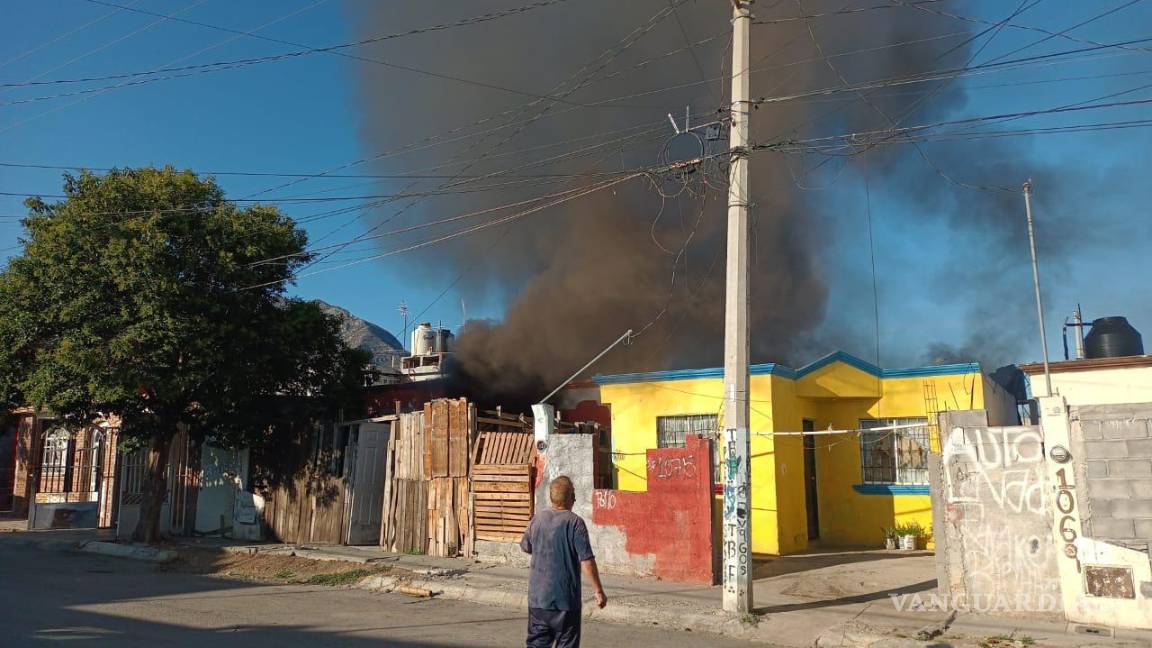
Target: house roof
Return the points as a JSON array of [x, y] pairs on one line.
[[1088, 364], [784, 371]]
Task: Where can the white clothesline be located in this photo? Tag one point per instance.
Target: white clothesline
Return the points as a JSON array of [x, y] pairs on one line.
[[884, 428]]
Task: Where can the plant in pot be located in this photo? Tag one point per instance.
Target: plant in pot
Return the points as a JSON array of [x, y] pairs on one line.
[[909, 534], [890, 537]]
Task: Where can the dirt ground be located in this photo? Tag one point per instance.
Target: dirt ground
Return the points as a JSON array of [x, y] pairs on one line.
[[272, 568]]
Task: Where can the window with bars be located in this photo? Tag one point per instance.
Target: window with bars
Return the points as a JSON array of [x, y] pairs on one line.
[[673, 431], [894, 456]]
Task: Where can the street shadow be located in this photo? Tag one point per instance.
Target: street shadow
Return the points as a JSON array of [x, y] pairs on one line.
[[772, 566], [95, 601], [922, 586]]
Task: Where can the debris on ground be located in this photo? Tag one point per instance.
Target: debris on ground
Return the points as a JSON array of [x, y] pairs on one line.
[[273, 567]]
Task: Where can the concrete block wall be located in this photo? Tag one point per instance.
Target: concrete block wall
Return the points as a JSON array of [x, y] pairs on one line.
[[993, 521], [664, 532], [1116, 447]]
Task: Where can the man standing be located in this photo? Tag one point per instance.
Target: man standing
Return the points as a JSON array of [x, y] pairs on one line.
[[558, 541]]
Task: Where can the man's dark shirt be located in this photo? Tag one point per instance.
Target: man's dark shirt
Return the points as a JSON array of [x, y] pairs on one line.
[[558, 542]]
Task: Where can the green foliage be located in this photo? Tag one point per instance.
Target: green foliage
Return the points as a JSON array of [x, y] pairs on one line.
[[284, 574], [142, 294], [890, 533], [910, 529], [340, 578]]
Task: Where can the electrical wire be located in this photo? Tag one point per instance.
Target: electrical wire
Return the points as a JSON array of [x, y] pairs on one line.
[[25, 54], [188, 70]]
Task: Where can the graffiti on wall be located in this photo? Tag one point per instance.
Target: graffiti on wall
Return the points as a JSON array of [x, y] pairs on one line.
[[737, 535], [672, 468], [1000, 466], [997, 499]]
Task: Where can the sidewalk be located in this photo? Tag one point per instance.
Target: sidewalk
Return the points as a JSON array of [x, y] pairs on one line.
[[824, 599]]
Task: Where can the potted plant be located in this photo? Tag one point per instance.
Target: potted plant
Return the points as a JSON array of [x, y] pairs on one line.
[[890, 537], [909, 534]]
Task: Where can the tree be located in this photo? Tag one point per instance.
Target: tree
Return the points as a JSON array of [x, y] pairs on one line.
[[145, 295]]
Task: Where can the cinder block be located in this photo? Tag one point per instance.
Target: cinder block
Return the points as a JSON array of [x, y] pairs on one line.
[[1137, 429], [1091, 430], [1109, 489], [1130, 508], [1140, 487], [1139, 447], [1143, 529], [1130, 468], [1096, 469], [1106, 449], [1110, 528]]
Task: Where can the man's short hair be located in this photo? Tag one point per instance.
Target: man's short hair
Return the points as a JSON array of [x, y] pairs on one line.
[[561, 491]]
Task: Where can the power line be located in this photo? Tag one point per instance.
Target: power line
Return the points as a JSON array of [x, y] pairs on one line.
[[578, 80], [100, 48], [189, 70], [61, 37], [839, 12]]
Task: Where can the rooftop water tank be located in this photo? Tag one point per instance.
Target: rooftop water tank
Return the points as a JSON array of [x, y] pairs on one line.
[[423, 340], [1112, 337]]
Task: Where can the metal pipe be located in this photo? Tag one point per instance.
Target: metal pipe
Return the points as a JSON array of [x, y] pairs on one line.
[[1078, 322], [590, 363], [1036, 285]]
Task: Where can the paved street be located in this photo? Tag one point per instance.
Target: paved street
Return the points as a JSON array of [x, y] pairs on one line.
[[48, 596]]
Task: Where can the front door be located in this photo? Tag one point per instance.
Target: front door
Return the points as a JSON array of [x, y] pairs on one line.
[[811, 500], [366, 483]]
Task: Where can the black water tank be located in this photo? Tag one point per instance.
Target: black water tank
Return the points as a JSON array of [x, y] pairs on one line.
[[1112, 337]]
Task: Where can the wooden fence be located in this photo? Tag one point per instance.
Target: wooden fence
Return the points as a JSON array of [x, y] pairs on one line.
[[308, 504], [502, 479], [426, 500], [501, 501]]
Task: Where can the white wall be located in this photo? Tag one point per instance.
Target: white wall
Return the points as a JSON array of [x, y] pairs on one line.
[[1100, 386], [224, 472]]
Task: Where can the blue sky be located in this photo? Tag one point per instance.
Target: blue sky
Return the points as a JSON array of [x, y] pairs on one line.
[[304, 115]]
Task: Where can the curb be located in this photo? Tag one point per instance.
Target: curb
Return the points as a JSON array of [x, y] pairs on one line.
[[719, 623], [131, 552]]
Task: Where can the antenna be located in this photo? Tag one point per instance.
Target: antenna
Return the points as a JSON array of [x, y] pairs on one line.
[[404, 314]]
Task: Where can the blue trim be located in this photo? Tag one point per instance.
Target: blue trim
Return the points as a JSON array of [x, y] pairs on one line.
[[783, 371], [841, 356], [766, 369], [938, 370], [890, 489]]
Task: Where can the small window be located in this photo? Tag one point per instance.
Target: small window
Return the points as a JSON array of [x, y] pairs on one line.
[[897, 456], [673, 431]]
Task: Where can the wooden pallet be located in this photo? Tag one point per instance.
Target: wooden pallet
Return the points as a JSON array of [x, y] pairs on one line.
[[502, 500]]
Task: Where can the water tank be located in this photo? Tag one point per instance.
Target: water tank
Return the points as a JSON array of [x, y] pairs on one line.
[[423, 340], [1112, 337], [443, 340]]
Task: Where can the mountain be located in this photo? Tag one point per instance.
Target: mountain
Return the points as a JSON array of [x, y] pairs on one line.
[[362, 334]]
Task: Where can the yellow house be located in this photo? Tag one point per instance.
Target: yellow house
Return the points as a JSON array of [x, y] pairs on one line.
[[835, 489]]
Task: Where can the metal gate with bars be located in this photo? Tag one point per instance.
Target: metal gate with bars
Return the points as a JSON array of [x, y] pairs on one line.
[[75, 478]]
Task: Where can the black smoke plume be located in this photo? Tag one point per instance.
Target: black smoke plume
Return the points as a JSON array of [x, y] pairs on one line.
[[649, 254]]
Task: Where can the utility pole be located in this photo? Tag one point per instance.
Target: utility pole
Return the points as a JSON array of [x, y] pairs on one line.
[[737, 531], [1036, 285]]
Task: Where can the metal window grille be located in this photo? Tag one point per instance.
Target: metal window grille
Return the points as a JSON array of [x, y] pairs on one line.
[[55, 466], [132, 469], [894, 456], [673, 431]]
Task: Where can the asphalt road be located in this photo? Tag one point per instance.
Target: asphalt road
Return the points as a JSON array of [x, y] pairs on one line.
[[86, 600]]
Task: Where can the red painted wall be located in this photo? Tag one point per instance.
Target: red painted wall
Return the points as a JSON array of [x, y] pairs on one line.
[[672, 520], [588, 410]]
